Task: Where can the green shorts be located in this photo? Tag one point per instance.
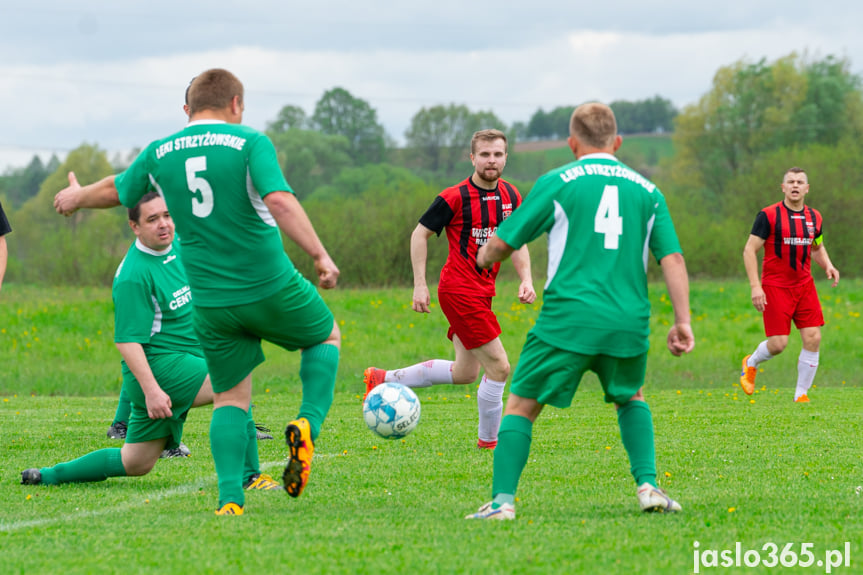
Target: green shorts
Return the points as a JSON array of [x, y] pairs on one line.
[[294, 317], [181, 376], [551, 375]]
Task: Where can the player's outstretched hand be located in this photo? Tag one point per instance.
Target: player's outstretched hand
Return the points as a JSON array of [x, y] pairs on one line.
[[680, 339], [328, 273], [422, 299], [526, 293], [66, 200], [158, 404]]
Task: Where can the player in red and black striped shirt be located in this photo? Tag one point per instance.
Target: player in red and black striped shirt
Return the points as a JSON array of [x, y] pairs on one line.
[[5, 228], [470, 212], [790, 233]]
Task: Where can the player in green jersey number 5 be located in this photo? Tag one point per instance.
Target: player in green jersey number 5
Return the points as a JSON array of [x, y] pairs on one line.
[[226, 192], [602, 220]]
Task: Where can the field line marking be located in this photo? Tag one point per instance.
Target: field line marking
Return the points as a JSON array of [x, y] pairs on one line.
[[164, 494]]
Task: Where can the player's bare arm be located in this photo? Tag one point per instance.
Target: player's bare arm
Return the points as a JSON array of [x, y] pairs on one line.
[[819, 254], [521, 262], [419, 257], [496, 250], [750, 262], [158, 402], [294, 223], [680, 337], [101, 194]]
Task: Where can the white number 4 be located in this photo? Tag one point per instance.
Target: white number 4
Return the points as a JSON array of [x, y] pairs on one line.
[[607, 220], [203, 205]]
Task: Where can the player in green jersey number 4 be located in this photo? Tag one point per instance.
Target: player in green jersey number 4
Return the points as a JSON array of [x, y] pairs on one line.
[[226, 192], [602, 219]]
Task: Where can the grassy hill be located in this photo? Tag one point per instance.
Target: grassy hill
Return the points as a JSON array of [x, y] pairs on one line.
[[529, 160]]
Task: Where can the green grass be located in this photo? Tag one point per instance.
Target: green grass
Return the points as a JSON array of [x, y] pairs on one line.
[[754, 470]]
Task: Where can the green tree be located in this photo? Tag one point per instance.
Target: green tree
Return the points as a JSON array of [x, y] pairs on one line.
[[644, 116], [21, 184], [553, 125], [754, 108], [440, 135], [365, 218], [338, 113], [310, 159], [83, 249], [289, 118]]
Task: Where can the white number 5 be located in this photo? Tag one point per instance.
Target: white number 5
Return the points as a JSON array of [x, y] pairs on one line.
[[203, 205], [607, 220]]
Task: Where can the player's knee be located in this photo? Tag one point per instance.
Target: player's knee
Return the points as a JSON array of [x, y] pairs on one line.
[[776, 345], [139, 467], [463, 378], [335, 337], [499, 371], [812, 340]]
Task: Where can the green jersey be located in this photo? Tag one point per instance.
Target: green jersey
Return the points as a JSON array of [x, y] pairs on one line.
[[214, 176], [602, 219], [153, 302]]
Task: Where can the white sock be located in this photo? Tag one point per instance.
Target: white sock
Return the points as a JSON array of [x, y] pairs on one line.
[[807, 365], [489, 400], [425, 374], [760, 355]]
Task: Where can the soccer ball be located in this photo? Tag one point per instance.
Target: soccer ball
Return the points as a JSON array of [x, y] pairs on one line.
[[391, 410]]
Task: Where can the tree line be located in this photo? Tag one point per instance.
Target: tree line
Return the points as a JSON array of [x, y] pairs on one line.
[[731, 149]]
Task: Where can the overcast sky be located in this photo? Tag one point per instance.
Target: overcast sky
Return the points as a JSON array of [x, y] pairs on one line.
[[113, 72]]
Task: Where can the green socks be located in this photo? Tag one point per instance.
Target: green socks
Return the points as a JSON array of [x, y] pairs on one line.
[[252, 463], [229, 439], [318, 367], [636, 432], [510, 456], [513, 449], [124, 406], [95, 466]]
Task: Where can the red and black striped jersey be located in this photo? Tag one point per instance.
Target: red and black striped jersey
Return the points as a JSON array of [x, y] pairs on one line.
[[5, 228], [788, 237], [471, 216]]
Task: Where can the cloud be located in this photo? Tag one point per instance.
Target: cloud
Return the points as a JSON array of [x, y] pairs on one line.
[[114, 74]]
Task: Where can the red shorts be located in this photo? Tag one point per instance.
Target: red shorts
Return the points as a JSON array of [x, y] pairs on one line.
[[785, 304], [470, 318]]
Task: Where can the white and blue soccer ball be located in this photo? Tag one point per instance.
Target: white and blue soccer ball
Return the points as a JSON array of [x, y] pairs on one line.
[[391, 410]]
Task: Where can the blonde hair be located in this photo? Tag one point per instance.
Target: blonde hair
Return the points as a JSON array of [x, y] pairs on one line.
[[594, 124], [487, 136]]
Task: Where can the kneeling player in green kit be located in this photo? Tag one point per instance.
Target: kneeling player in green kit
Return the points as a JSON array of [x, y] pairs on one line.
[[164, 371], [602, 220]]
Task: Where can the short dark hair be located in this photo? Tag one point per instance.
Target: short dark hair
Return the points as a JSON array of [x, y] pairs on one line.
[[187, 89], [135, 213], [213, 90]]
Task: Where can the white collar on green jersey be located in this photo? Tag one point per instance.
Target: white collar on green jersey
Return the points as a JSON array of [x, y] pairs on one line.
[[140, 245], [598, 156], [205, 122]]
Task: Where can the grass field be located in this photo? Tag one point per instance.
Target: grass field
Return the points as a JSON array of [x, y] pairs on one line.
[[756, 470]]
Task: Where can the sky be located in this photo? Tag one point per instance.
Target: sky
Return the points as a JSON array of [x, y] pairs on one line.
[[113, 73]]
